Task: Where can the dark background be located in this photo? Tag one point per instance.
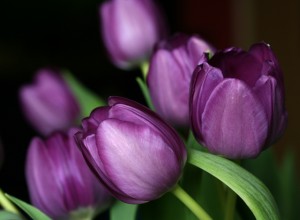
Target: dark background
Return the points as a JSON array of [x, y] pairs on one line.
[[66, 34]]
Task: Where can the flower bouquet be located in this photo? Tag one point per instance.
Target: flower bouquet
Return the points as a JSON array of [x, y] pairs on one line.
[[183, 154]]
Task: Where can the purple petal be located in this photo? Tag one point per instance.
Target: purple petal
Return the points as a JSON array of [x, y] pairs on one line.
[[204, 81], [197, 47], [48, 103], [231, 103], [41, 184], [90, 124], [238, 64], [138, 177], [272, 98], [130, 30], [133, 112], [173, 104]]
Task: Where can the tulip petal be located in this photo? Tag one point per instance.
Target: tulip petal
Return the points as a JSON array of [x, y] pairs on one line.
[[205, 79], [136, 177], [163, 64], [265, 55], [48, 103], [130, 30], [90, 124], [231, 103], [133, 112], [197, 48], [41, 184], [271, 98], [237, 64]]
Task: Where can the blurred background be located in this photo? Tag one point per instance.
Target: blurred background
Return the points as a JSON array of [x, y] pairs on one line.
[[66, 34]]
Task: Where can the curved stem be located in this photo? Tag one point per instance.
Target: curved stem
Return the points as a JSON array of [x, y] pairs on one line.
[[144, 68], [190, 203], [6, 204], [230, 205]]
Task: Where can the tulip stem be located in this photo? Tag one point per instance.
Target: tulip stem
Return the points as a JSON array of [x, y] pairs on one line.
[[230, 204], [6, 204], [190, 203], [144, 68]]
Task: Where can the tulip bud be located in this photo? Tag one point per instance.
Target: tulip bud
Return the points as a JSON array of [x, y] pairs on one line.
[[170, 73], [237, 102], [130, 29], [59, 180], [136, 155], [48, 103]]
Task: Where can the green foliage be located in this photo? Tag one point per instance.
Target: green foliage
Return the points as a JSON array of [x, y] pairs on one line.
[[281, 179], [4, 215], [86, 98], [123, 211], [251, 190], [33, 212]]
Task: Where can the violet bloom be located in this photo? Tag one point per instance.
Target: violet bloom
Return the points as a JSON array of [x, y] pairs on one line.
[[48, 103], [59, 180], [170, 73], [130, 28], [134, 153], [237, 102]]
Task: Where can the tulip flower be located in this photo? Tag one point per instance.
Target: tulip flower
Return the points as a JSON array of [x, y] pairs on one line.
[[59, 180], [136, 155], [130, 29], [48, 103], [237, 102], [170, 72]]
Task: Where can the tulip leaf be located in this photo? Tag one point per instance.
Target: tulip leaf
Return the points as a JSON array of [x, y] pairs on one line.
[[251, 190], [145, 92], [33, 212], [121, 210], [86, 98], [4, 215]]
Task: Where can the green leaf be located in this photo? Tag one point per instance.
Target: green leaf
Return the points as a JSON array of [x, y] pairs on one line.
[[251, 190], [288, 188], [4, 215], [33, 212], [86, 98], [123, 211], [145, 92]]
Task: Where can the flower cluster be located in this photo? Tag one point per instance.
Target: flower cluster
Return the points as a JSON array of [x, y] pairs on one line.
[[232, 100]]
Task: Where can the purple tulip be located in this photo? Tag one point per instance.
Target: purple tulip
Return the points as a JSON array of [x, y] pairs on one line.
[[170, 73], [136, 155], [130, 28], [237, 102], [48, 103], [59, 180]]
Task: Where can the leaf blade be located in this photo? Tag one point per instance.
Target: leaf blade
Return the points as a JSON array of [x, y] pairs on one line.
[[123, 211], [32, 211], [254, 193]]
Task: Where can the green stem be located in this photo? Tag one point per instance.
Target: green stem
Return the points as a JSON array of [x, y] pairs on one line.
[[230, 205], [190, 203], [7, 205], [144, 68], [145, 92]]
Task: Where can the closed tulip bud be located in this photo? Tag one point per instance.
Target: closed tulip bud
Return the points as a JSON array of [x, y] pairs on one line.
[[48, 103], [59, 180], [170, 72], [136, 155], [237, 102], [130, 29]]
